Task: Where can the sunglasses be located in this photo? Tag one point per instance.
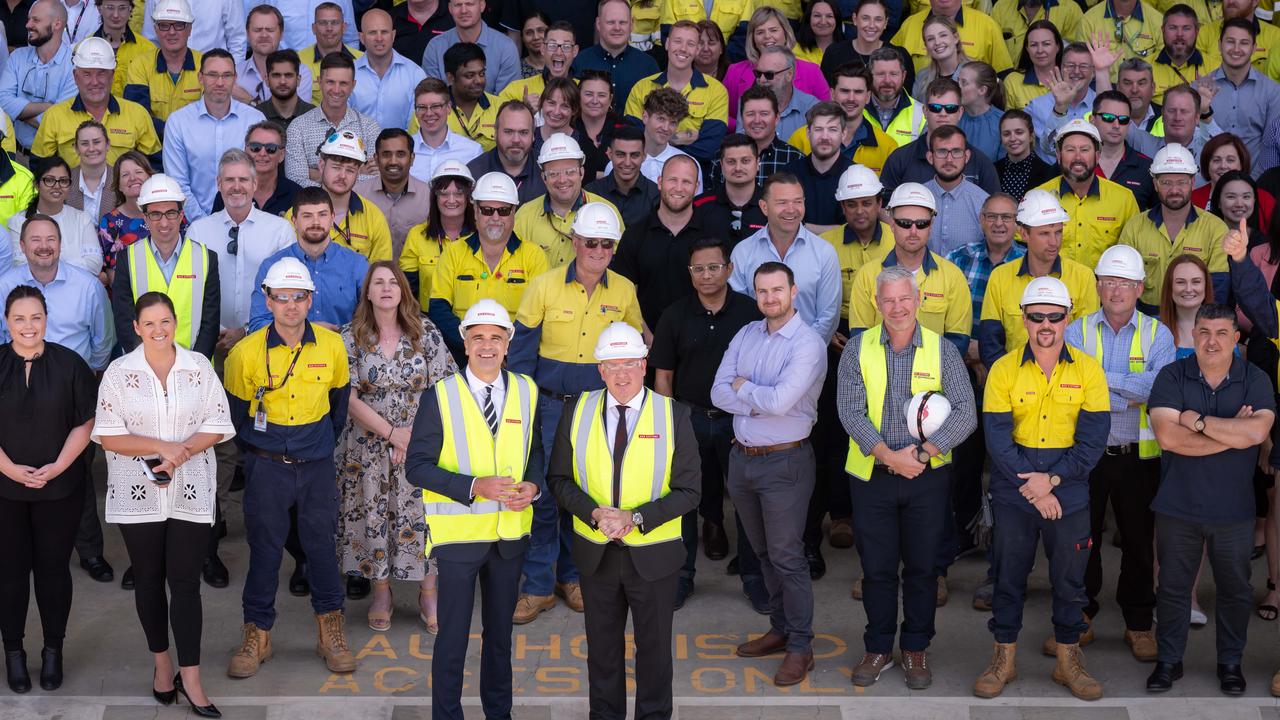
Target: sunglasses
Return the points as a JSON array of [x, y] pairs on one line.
[[233, 245], [270, 148], [767, 75], [1053, 317], [286, 298], [1113, 118], [499, 211], [592, 243], [949, 108], [906, 224]]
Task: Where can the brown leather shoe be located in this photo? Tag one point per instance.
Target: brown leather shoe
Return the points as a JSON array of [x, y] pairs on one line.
[[867, 672], [529, 607], [794, 668], [1143, 644], [768, 644], [915, 668], [1050, 647], [571, 593], [841, 534], [254, 650]]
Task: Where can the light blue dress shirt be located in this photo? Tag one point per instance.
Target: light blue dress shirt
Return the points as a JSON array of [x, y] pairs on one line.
[[194, 141], [814, 263], [783, 370], [1047, 121], [983, 132], [169, 264], [388, 99], [26, 80], [956, 223], [501, 61], [79, 312], [298, 18], [337, 274], [1247, 110]]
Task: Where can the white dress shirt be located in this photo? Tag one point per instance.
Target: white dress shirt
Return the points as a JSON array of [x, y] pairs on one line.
[[611, 405], [92, 198], [248, 78], [80, 245], [83, 20], [480, 388], [217, 24], [455, 147], [261, 236]]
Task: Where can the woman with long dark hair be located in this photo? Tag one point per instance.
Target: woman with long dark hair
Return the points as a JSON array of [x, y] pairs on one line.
[[1041, 54], [819, 29], [712, 58], [1220, 155]]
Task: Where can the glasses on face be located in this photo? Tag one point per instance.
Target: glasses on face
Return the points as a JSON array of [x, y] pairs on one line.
[[219, 77], [708, 269], [293, 297], [432, 108], [558, 47], [233, 245], [948, 108], [553, 175], [1038, 317], [1172, 183], [621, 365], [592, 243], [1114, 118], [328, 23], [157, 216], [268, 148], [1069, 68], [907, 224], [165, 27], [52, 182], [956, 153], [1113, 283], [1000, 217], [489, 211]]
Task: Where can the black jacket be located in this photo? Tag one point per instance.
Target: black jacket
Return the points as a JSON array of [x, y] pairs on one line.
[[122, 299]]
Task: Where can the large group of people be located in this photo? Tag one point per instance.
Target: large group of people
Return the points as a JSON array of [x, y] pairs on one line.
[[541, 294]]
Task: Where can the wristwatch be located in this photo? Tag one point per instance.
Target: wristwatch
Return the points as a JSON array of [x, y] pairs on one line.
[[637, 520], [1199, 423], [922, 455], [1055, 480]]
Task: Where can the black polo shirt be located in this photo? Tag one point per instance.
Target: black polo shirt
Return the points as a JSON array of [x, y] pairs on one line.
[[529, 184], [690, 341], [412, 35], [820, 205], [1215, 489], [635, 205], [1134, 172], [717, 211], [271, 113], [910, 164], [658, 262]]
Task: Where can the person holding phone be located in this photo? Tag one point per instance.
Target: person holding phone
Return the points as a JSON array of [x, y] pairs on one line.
[[161, 409]]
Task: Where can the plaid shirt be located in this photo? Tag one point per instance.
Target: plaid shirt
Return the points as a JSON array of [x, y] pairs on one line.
[[973, 261], [772, 159]]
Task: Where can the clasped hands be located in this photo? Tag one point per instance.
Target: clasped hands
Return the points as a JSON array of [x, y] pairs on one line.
[[1038, 491], [514, 496], [614, 523], [173, 454], [34, 478]]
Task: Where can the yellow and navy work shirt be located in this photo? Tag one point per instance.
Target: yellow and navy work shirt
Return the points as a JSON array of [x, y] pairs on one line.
[[1166, 75], [1000, 329], [129, 127], [132, 47], [1021, 88], [1010, 15], [532, 85], [980, 37], [558, 323], [17, 187], [1201, 236], [708, 110], [537, 223], [731, 15], [1096, 218], [311, 57], [363, 229], [150, 84], [419, 257], [853, 255], [1266, 50], [946, 306], [480, 125], [870, 145], [1056, 424], [308, 407], [1137, 36]]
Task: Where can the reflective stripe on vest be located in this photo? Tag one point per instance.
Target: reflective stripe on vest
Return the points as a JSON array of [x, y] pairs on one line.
[[185, 287], [1139, 349], [646, 463], [926, 374], [476, 452], [907, 125]]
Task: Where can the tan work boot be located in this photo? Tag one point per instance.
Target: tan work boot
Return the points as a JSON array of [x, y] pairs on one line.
[[1070, 672], [529, 607], [254, 650], [1143, 644], [571, 593], [999, 673], [1051, 645], [331, 642]]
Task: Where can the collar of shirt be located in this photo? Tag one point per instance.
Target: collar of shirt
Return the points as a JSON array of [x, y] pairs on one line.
[[1064, 188], [342, 49], [546, 203], [633, 405], [863, 135], [698, 80], [928, 266], [188, 63], [877, 234], [1234, 374], [113, 105], [571, 275], [1252, 76], [1025, 267], [60, 276], [274, 339], [414, 186], [722, 197], [421, 147], [473, 242], [234, 110], [478, 388], [803, 237], [609, 184], [916, 340], [788, 330], [362, 62], [957, 191], [177, 250], [1157, 215], [1064, 355], [136, 359], [1047, 4], [1099, 318], [1196, 59], [129, 37], [1030, 78]]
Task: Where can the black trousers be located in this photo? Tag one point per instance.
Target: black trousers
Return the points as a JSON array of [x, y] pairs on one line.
[[609, 593], [1130, 483], [968, 460], [36, 538], [1180, 545], [499, 588], [172, 551], [88, 538], [715, 440]]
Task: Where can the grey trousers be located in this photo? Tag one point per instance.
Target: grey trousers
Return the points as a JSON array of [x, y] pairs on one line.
[[771, 494], [1178, 545]]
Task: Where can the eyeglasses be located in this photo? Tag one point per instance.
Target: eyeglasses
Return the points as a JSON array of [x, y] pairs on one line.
[[708, 269], [1173, 182], [1069, 68], [1112, 284], [165, 27], [1113, 118], [767, 75], [949, 152], [293, 297], [328, 23], [906, 223], [1053, 317], [233, 245], [558, 47], [999, 217], [432, 108], [269, 148], [489, 211], [592, 243], [220, 77], [52, 182], [553, 175], [948, 108], [619, 366], [157, 216]]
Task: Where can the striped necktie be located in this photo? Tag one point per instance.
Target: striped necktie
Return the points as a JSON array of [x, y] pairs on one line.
[[490, 415]]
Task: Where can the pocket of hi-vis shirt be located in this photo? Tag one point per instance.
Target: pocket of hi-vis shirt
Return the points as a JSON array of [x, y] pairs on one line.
[[1066, 399], [933, 311]]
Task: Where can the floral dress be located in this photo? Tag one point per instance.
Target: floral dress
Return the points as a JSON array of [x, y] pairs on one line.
[[380, 524]]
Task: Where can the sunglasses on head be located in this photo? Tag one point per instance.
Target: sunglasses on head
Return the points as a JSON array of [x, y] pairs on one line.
[[1112, 117], [499, 211], [906, 223], [949, 108], [270, 148], [1053, 317], [592, 243]]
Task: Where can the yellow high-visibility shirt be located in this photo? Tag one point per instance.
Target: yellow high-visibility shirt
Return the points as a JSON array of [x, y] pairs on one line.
[[946, 305], [1021, 88], [537, 223], [149, 83], [980, 36], [462, 276], [364, 229], [1166, 75], [853, 255], [134, 44], [1064, 14], [129, 127], [1141, 34], [1002, 302], [311, 57], [1201, 236], [708, 100], [1096, 219], [870, 147]]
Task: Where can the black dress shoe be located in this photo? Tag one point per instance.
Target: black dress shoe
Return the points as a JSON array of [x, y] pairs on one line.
[[215, 573], [732, 567], [98, 568], [756, 594], [126, 580], [209, 711], [715, 544], [358, 588], [51, 668], [1162, 678], [1231, 679], [298, 584], [164, 697], [237, 480], [683, 591], [817, 566], [15, 665]]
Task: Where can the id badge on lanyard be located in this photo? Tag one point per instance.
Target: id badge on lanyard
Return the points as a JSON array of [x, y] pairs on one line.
[[260, 414]]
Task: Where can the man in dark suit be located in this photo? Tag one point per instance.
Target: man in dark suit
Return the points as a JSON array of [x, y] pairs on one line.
[[625, 463], [471, 442]]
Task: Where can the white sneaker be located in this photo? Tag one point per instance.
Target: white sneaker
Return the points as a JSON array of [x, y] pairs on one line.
[[1198, 618]]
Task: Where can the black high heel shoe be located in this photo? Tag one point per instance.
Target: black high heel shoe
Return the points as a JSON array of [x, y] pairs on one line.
[[209, 711], [165, 697], [15, 665], [51, 668]]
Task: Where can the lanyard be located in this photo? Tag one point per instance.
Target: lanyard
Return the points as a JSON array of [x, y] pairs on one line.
[[345, 232], [287, 373], [470, 131]]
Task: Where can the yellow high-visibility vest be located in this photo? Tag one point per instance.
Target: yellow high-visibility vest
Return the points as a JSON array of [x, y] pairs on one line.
[[185, 287], [1139, 348]]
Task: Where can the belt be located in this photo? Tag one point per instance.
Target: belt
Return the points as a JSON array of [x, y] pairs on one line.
[[1126, 449], [762, 450], [555, 396], [709, 412], [286, 459]]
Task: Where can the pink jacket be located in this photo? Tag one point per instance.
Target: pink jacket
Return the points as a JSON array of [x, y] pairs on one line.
[[739, 77]]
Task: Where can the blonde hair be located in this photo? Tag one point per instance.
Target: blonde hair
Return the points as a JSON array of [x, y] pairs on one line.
[[762, 15], [364, 329]]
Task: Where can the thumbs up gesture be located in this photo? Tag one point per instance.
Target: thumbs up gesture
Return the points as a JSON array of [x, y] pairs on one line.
[[1236, 242]]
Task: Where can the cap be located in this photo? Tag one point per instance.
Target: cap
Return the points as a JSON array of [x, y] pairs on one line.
[[344, 144]]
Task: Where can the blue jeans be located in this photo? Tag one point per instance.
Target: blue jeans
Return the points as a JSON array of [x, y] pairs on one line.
[[1066, 544], [548, 559]]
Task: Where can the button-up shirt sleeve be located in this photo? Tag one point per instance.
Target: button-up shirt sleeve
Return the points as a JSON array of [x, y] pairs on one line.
[[806, 364], [827, 317], [997, 421], [722, 393], [102, 332], [851, 399], [1135, 387]]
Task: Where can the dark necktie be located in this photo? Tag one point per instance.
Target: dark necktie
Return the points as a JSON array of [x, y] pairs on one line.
[[619, 449], [490, 415]]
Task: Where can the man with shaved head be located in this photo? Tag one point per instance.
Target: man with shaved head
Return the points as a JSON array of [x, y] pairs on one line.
[[385, 79], [37, 76]]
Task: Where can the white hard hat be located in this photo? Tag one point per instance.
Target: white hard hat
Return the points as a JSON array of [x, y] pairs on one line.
[[1040, 207], [1077, 125], [160, 188], [927, 411], [597, 220], [172, 11], [452, 168], [344, 144], [94, 53], [912, 194], [496, 187], [288, 274], [858, 181], [620, 341], [560, 147], [487, 312], [1174, 159], [1121, 261], [1047, 290]]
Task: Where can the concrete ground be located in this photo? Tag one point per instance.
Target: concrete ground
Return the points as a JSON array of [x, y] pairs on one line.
[[108, 668]]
